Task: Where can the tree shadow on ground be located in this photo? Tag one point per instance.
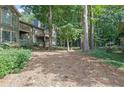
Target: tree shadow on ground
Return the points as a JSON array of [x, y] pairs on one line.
[[74, 69]]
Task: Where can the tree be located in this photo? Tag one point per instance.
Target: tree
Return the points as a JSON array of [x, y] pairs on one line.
[[26, 17], [86, 38], [91, 30], [107, 19], [50, 25], [62, 15], [68, 33], [44, 14]]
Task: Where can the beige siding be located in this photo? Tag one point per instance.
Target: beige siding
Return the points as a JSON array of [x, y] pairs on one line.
[[0, 36], [24, 27], [19, 26], [0, 15], [14, 27], [0, 27]]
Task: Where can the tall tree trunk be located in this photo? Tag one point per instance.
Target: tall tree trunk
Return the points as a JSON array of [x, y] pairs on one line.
[[50, 26], [71, 44], [82, 43], [81, 24], [92, 29], [86, 38], [68, 45]]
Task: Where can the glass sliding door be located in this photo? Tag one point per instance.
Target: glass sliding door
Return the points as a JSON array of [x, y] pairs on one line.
[[5, 36]]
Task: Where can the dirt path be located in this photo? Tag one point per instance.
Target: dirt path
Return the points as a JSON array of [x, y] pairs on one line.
[[64, 69]]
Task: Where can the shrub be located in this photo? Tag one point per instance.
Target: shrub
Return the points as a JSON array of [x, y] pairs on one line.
[[5, 45], [36, 44], [26, 43], [12, 60], [1, 48], [15, 45]]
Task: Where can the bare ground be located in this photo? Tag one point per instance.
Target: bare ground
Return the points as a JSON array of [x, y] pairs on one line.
[[61, 68]]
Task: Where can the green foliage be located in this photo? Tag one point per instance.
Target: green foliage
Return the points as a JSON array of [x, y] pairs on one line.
[[27, 17], [63, 15], [36, 44], [106, 21], [40, 12], [26, 43], [9, 45], [69, 32], [60, 16], [114, 59], [1, 49], [12, 60], [5, 45]]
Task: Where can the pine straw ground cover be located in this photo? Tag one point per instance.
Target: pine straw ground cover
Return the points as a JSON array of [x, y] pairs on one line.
[[66, 69]]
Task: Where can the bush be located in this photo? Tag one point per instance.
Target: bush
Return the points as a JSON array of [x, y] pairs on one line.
[[15, 45], [26, 43], [12, 60], [5, 45], [1, 48], [36, 44]]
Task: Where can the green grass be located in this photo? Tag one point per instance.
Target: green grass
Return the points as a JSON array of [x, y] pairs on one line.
[[114, 59]]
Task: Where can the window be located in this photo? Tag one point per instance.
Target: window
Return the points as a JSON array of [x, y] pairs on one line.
[[13, 36], [5, 36], [6, 16], [15, 21]]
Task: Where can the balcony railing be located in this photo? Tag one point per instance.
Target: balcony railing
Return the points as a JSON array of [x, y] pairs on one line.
[[24, 27]]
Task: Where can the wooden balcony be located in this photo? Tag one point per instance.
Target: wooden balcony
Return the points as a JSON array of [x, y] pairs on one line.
[[38, 32], [41, 33], [25, 27]]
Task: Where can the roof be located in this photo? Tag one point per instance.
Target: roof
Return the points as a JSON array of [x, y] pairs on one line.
[[18, 13], [12, 7]]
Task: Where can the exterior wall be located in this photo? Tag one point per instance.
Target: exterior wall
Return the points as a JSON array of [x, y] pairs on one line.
[[17, 26], [0, 14], [33, 35], [37, 33], [24, 27], [0, 36], [0, 27], [13, 27], [25, 34], [54, 38]]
